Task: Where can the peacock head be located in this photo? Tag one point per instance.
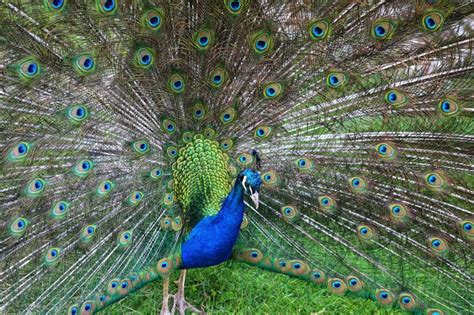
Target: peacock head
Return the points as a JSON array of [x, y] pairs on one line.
[[250, 180]]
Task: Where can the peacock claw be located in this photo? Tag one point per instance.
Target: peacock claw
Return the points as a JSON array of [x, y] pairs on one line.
[[179, 302], [182, 305]]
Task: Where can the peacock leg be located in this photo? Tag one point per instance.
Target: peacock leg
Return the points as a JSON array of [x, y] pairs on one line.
[[179, 301], [166, 295]]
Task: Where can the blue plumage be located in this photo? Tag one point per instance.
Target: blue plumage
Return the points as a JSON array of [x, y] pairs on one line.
[[211, 241]]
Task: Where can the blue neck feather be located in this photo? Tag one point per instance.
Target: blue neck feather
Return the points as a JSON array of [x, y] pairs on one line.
[[211, 241]]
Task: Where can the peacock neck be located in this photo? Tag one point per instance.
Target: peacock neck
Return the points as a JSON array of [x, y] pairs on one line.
[[233, 205], [213, 238]]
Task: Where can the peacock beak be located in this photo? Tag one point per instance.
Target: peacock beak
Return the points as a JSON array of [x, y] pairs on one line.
[[254, 198]]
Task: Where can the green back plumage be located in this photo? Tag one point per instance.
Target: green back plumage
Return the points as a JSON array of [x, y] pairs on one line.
[[361, 114]]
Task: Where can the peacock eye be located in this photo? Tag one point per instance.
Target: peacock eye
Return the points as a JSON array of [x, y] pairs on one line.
[[176, 83], [56, 4], [336, 79], [203, 39], [261, 42], [449, 107], [106, 6], [319, 29], [433, 21], [153, 19], [84, 64], [144, 57], [383, 29]]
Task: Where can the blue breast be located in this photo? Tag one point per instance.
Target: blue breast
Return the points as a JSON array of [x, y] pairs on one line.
[[211, 241]]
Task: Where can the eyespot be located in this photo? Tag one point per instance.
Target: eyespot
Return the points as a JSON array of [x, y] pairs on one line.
[[209, 133], [59, 210], [177, 223], [228, 115], [272, 90], [125, 286], [18, 227], [52, 255], [407, 301], [203, 39], [235, 7], [135, 198], [87, 307], [438, 246], [432, 21], [383, 29], [269, 178], [282, 265], [245, 159], [199, 110], [172, 151], [78, 113], [105, 188], [261, 42], [55, 5], [467, 228], [262, 132], [336, 79], [140, 147], [365, 232], [252, 255], [124, 238], [398, 212], [35, 187], [354, 284], [358, 184], [112, 286], [19, 151], [169, 126], [144, 58], [187, 136], [337, 286], [227, 144], [84, 64], [327, 204], [73, 310], [168, 199], [177, 83], [384, 296], [166, 222], [298, 267], [218, 77], [156, 173], [434, 180], [289, 212], [88, 233], [449, 106], [386, 151], [304, 165], [82, 168], [106, 6], [164, 266], [318, 276], [319, 29], [153, 19], [395, 98], [28, 69], [434, 311]]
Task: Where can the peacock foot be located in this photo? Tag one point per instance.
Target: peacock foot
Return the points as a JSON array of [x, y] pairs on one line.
[[179, 302], [182, 305]]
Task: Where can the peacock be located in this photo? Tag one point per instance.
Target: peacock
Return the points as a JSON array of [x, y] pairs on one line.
[[330, 141]]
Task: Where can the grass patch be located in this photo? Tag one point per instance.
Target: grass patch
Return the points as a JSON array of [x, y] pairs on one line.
[[237, 288]]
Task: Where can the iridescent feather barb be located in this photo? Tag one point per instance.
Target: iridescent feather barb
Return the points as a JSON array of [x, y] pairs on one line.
[[136, 133]]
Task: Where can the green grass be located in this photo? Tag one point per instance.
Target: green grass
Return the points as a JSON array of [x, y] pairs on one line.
[[233, 288]]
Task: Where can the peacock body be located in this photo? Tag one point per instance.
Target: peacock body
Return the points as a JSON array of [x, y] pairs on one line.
[[135, 132]]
